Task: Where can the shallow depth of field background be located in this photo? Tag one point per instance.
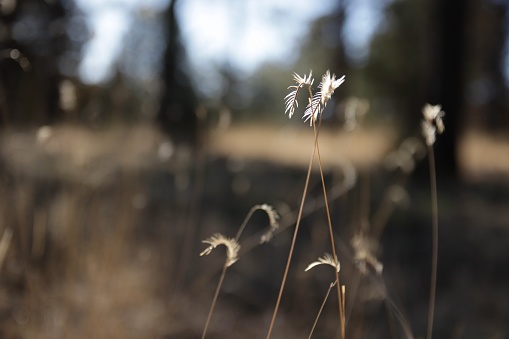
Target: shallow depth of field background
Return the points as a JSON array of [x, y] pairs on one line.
[[132, 130]]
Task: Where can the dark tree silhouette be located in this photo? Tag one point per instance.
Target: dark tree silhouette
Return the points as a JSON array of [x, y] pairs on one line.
[[177, 112], [448, 24], [34, 37], [491, 38]]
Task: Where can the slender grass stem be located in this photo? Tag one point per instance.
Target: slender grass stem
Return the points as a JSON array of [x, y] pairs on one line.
[[292, 246], [244, 223], [434, 259], [214, 301], [331, 234], [321, 308]]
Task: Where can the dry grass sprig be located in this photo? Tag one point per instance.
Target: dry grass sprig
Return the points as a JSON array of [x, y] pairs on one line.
[[273, 222], [331, 234], [291, 101], [318, 101], [327, 259], [232, 247], [292, 246], [316, 105], [232, 255], [431, 124]]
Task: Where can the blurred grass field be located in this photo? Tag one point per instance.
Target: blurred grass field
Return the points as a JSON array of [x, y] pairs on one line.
[[102, 222]]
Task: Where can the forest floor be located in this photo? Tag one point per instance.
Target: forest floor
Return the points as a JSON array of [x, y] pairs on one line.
[[106, 229]]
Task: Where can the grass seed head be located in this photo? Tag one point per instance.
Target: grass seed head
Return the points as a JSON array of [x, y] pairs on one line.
[[232, 247], [273, 222], [325, 260], [432, 123]]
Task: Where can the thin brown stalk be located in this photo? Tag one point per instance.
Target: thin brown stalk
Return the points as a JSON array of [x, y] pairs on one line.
[[331, 234], [216, 294], [292, 246], [273, 220], [244, 223], [343, 301], [434, 259], [321, 308]]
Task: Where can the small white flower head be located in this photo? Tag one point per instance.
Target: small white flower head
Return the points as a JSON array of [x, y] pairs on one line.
[[432, 123], [273, 222], [232, 247], [328, 86], [325, 260]]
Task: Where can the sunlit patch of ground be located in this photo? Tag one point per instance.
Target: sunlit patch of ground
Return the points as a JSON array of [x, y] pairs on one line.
[[293, 145], [480, 154]]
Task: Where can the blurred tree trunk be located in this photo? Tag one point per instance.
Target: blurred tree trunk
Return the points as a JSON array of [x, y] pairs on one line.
[[339, 61], [34, 38], [446, 86], [178, 104]]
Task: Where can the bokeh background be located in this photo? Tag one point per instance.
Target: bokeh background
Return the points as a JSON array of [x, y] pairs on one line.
[[131, 130]]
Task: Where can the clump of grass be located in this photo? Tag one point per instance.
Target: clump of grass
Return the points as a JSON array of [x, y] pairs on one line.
[[232, 255], [431, 124], [313, 113], [365, 241]]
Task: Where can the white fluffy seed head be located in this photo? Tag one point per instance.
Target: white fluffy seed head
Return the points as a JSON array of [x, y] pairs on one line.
[[432, 123]]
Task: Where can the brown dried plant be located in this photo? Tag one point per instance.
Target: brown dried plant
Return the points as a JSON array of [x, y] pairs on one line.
[[233, 247], [313, 112]]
